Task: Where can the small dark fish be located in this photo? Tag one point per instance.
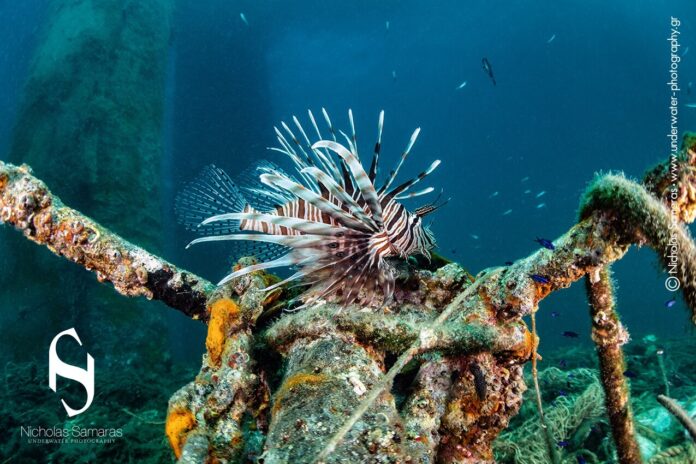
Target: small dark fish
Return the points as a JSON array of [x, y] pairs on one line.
[[479, 380], [670, 303], [581, 460], [545, 243], [563, 443], [555, 314], [563, 363], [539, 278], [488, 69], [570, 334], [508, 263], [562, 393], [630, 374], [454, 251]]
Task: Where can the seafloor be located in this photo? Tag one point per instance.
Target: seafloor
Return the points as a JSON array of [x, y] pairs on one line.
[[135, 399]]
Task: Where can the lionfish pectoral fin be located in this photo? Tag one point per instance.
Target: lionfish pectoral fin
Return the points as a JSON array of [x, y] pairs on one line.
[[211, 193], [259, 250], [295, 276], [296, 241], [283, 261], [345, 277], [298, 224]]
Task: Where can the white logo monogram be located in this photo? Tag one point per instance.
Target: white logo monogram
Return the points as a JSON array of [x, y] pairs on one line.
[[58, 367]]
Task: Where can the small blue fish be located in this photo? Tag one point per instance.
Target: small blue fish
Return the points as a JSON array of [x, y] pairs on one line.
[[563, 363], [539, 278], [630, 374], [508, 263], [563, 443], [555, 314], [562, 393], [670, 303], [545, 243], [581, 460], [570, 334]]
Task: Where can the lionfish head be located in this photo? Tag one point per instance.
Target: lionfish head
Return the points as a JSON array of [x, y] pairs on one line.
[[420, 239], [423, 238]]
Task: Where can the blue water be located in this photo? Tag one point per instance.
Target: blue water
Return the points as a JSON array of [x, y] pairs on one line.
[[593, 99], [581, 89]]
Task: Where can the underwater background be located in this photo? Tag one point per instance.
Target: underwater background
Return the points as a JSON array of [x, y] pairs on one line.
[[580, 87]]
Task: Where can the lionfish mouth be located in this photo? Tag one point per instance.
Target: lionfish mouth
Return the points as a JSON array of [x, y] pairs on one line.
[[328, 221]]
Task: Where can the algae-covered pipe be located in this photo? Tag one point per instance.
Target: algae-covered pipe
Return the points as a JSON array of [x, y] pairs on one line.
[[324, 382], [28, 205], [609, 336]]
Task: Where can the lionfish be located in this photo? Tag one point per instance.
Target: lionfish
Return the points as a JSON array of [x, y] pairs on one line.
[[330, 222]]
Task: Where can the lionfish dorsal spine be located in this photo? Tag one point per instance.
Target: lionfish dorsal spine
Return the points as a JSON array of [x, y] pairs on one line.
[[404, 155], [378, 149], [410, 183], [341, 195], [365, 186]]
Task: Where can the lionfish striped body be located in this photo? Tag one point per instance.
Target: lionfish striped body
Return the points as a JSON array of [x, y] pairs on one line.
[[331, 223]]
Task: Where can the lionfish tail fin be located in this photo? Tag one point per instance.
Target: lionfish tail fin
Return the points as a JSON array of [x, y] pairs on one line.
[[211, 193]]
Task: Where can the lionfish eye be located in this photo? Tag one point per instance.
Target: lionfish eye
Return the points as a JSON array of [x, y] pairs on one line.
[[341, 254], [333, 245]]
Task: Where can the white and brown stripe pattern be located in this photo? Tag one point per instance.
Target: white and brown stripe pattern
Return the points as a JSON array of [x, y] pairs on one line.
[[338, 226]]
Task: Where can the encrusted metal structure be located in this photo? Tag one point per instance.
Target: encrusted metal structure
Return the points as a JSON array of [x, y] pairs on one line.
[[433, 378]]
